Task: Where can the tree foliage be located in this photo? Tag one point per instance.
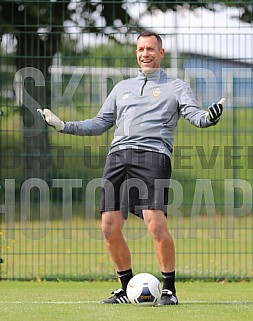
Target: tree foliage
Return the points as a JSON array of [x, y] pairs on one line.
[[95, 16]]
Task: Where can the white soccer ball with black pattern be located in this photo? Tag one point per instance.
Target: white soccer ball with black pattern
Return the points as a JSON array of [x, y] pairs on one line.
[[144, 289]]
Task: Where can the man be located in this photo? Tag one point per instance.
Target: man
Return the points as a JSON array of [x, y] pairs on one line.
[[145, 111]]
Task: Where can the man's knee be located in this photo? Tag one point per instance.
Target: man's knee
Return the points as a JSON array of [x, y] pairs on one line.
[[111, 224], [156, 224]]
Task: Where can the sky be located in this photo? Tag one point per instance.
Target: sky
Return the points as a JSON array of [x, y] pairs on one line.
[[217, 34]]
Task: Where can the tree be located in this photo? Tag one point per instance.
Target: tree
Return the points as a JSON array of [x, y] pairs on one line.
[[38, 27], [244, 14]]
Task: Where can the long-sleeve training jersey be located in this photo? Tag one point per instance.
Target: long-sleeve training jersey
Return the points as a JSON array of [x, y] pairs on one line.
[[145, 111]]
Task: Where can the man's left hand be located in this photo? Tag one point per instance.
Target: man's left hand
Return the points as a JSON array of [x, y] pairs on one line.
[[215, 111]]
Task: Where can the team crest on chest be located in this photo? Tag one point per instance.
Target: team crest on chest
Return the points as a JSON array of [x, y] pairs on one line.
[[156, 92]]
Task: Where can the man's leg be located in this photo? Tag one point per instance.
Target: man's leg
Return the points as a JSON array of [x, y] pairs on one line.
[[112, 225], [164, 246], [156, 223]]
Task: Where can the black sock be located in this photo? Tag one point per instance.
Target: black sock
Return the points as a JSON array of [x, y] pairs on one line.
[[169, 281], [125, 277]]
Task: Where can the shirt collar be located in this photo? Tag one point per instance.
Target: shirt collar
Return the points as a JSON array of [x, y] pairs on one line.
[[154, 75]]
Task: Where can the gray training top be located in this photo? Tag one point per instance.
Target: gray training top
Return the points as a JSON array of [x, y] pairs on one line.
[[145, 110]]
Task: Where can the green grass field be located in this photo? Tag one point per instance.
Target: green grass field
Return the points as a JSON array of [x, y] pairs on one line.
[[204, 301]]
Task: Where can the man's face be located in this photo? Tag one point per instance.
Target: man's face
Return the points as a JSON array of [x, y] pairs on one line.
[[148, 53]]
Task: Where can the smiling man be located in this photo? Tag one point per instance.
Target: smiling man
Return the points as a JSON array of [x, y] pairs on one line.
[[149, 52], [145, 111]]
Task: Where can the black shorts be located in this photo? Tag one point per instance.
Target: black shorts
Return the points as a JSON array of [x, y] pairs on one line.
[[134, 180]]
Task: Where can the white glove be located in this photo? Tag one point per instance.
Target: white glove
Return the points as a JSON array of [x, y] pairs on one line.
[[51, 119], [215, 111]]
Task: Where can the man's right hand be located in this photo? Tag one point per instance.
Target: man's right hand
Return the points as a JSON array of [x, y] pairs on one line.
[[51, 119]]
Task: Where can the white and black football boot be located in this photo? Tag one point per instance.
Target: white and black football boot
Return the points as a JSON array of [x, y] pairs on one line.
[[168, 298], [119, 297]]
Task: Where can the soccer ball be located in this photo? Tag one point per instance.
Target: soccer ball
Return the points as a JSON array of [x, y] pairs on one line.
[[144, 289]]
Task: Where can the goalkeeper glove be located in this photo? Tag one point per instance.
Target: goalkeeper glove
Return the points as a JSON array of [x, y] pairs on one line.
[[215, 111], [51, 119]]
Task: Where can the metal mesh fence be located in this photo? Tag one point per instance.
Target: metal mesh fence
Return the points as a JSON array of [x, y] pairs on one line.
[[67, 56]]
